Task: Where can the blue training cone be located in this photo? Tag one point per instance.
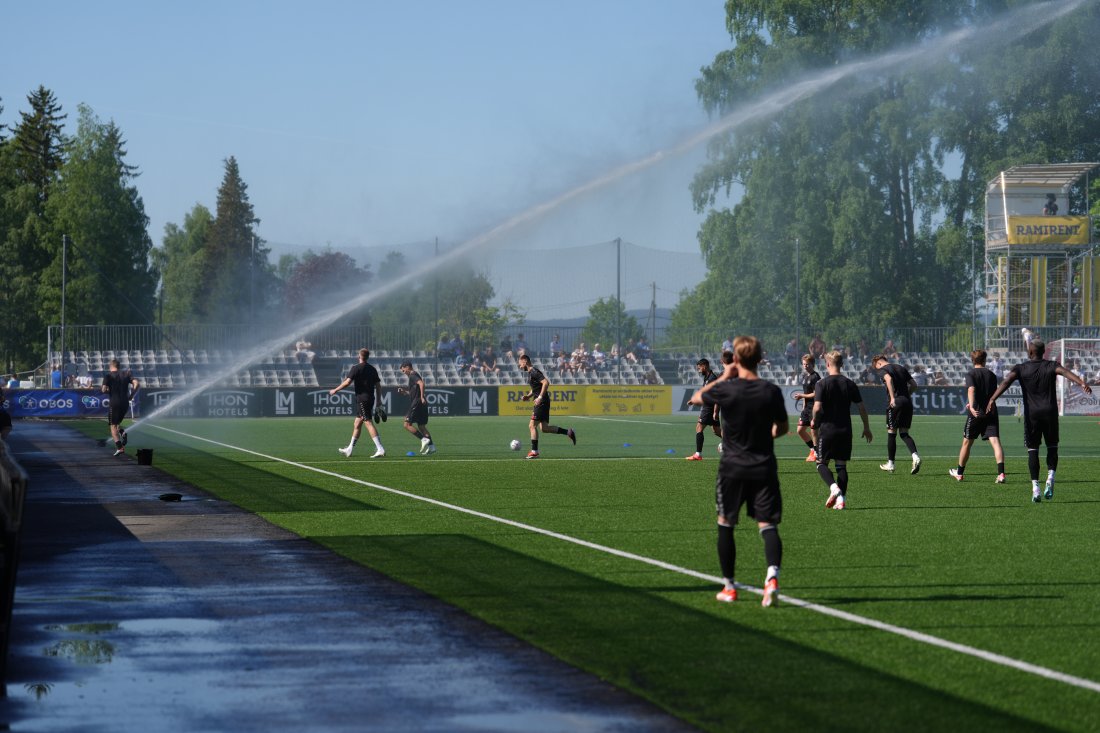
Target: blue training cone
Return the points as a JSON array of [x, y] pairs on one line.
[[410, 454], [626, 445], [670, 450]]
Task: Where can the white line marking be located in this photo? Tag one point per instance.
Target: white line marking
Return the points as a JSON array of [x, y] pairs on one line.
[[992, 657]]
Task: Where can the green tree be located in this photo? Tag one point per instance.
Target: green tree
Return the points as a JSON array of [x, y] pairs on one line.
[[30, 161], [110, 279], [317, 279], [180, 263], [235, 261], [393, 266], [857, 177], [607, 319]]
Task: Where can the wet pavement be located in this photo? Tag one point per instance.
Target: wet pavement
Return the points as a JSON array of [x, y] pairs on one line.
[[136, 614]]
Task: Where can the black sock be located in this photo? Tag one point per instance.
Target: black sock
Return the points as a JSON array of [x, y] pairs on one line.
[[1033, 463], [842, 478], [1052, 458], [1000, 467], [891, 446], [118, 443], [419, 435], [563, 431], [773, 546], [535, 444], [727, 551], [825, 474], [960, 468], [810, 444], [909, 442], [699, 442]]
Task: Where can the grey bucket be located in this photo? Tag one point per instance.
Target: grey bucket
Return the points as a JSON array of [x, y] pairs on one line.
[[145, 456]]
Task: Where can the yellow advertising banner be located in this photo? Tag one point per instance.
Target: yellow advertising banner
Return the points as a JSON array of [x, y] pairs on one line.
[[605, 399], [564, 400], [1048, 230]]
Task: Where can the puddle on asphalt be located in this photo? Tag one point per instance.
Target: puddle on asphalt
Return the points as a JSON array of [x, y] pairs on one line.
[[541, 722], [82, 651]]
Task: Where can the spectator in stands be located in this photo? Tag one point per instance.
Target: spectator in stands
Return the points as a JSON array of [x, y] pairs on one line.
[[579, 360], [920, 376], [462, 364], [13, 382], [444, 348], [303, 350], [506, 345], [615, 354], [790, 355], [995, 365], [889, 350], [55, 377], [629, 354], [941, 380], [555, 344], [489, 361], [520, 346], [862, 349], [457, 344], [599, 359], [642, 350], [727, 345], [563, 364], [651, 377], [816, 347], [867, 376], [476, 365], [1050, 208]]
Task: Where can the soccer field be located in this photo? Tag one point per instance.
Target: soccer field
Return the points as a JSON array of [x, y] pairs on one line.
[[927, 604]]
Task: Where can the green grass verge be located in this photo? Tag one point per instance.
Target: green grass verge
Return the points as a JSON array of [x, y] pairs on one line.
[[971, 562]]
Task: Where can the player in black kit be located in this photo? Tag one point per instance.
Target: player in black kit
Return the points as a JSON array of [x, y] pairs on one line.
[[416, 419], [810, 378], [754, 414], [1038, 382], [899, 412], [706, 417], [540, 414], [980, 423], [121, 385], [832, 418], [368, 388]]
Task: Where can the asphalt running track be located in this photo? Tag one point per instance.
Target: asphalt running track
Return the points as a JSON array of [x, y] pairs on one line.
[[135, 614]]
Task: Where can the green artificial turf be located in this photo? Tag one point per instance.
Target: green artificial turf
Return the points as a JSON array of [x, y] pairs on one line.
[[973, 563]]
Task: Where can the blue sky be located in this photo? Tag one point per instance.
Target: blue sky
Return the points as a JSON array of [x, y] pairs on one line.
[[369, 124]]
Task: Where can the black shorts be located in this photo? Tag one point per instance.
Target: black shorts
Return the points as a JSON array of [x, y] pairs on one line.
[[5, 419], [116, 412], [417, 415], [833, 444], [364, 408], [900, 416], [805, 418], [541, 411], [761, 497], [985, 427], [1043, 427], [706, 417]]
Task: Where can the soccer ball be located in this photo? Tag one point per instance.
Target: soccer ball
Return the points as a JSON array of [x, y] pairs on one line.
[[514, 445]]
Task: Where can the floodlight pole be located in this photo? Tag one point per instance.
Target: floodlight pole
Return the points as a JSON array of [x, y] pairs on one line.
[[64, 263], [619, 307], [797, 295]]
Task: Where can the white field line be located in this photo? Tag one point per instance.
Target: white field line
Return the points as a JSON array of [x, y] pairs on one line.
[[918, 636]]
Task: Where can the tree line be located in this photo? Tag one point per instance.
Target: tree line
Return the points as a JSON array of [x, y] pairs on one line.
[[70, 202], [876, 188]]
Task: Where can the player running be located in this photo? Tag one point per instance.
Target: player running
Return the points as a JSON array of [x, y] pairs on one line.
[[121, 386], [706, 417], [416, 419], [540, 414], [753, 416], [1038, 383], [981, 383]]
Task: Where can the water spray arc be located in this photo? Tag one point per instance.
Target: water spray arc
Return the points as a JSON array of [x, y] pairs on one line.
[[1009, 27]]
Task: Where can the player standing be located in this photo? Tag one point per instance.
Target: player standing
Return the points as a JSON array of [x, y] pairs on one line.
[[121, 386], [899, 413], [540, 414], [753, 416], [980, 423], [416, 419], [805, 430], [1038, 382], [706, 417], [832, 415], [368, 392]]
